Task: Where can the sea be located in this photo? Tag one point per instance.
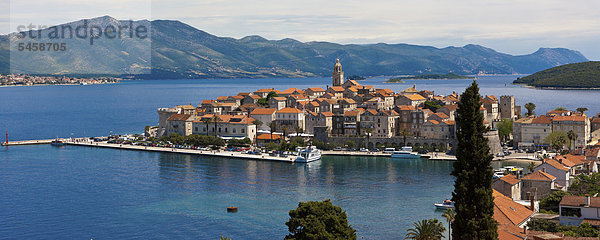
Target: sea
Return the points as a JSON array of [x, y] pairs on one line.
[[77, 192]]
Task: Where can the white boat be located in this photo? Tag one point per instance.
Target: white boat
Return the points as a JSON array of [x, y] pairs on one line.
[[406, 153], [308, 154], [444, 205]]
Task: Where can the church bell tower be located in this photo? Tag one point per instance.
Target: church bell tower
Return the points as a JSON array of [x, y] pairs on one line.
[[338, 74]]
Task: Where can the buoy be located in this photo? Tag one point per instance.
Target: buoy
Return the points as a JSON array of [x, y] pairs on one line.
[[232, 209]]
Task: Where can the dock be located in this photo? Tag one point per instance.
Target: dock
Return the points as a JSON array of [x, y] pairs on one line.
[[212, 153], [27, 142]]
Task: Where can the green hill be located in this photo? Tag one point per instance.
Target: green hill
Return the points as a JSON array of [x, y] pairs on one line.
[[575, 75]]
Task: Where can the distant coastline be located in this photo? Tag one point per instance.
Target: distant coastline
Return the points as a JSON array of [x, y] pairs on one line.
[[23, 80], [428, 77]]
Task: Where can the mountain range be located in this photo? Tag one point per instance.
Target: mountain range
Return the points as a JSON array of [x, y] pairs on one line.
[[178, 50]]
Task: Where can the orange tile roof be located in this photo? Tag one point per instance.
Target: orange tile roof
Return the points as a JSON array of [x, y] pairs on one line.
[[570, 160], [289, 110], [434, 122], [543, 119], [222, 98], [264, 90], [493, 97], [449, 122], [179, 117], [569, 118], [556, 164], [406, 107], [316, 89], [207, 101], [415, 97], [451, 107], [577, 201], [267, 136], [507, 211], [291, 91], [327, 114], [254, 96], [243, 93], [337, 89], [351, 113], [263, 111], [539, 176], [510, 232], [442, 115], [510, 179]]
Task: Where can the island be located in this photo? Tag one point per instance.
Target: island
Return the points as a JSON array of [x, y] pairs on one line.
[[584, 75], [428, 77]]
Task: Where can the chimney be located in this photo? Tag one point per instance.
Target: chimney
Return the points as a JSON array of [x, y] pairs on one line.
[[543, 169], [532, 202], [588, 199]]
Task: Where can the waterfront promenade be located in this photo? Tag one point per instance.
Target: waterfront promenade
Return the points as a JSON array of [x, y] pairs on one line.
[[262, 156], [214, 153]]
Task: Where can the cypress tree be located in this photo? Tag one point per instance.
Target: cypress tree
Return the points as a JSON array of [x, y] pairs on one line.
[[472, 196]]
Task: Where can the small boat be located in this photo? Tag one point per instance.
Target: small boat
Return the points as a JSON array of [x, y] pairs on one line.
[[308, 154], [444, 205], [498, 174], [58, 143], [406, 153]]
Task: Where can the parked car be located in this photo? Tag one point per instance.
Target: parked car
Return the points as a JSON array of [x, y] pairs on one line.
[[337, 149], [375, 150], [364, 150], [423, 151], [530, 151]]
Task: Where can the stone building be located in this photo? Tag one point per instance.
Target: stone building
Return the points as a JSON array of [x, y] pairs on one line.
[[507, 107], [538, 185], [338, 74], [509, 186]]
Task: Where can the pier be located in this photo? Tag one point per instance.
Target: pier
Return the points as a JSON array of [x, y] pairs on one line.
[[27, 142]]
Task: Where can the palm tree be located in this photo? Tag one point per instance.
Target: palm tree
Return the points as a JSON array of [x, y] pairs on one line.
[[449, 215], [215, 120], [426, 229], [207, 121], [531, 167], [582, 109], [571, 136], [404, 134], [272, 126], [530, 107], [257, 123], [284, 129]]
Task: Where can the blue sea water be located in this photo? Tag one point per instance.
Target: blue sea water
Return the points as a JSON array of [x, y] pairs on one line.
[[81, 193]]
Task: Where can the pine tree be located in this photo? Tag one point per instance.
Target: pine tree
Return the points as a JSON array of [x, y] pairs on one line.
[[474, 203]]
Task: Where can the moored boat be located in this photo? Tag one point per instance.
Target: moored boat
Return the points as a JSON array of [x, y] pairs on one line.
[[406, 153], [444, 205], [308, 154], [58, 142]]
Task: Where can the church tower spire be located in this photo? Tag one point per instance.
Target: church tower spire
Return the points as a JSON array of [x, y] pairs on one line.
[[338, 74]]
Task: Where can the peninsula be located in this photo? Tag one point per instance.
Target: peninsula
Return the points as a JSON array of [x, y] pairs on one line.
[[583, 75], [428, 76]]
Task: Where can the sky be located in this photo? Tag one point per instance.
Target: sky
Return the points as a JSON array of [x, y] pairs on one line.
[[510, 26]]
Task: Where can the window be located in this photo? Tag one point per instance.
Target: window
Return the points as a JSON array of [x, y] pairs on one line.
[[570, 212], [196, 129], [234, 130]]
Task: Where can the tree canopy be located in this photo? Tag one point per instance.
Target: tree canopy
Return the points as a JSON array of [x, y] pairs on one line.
[[319, 220], [474, 203], [557, 140], [530, 107], [427, 229], [505, 129]]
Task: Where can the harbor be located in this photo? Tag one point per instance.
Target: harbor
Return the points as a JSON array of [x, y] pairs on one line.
[[433, 156]]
